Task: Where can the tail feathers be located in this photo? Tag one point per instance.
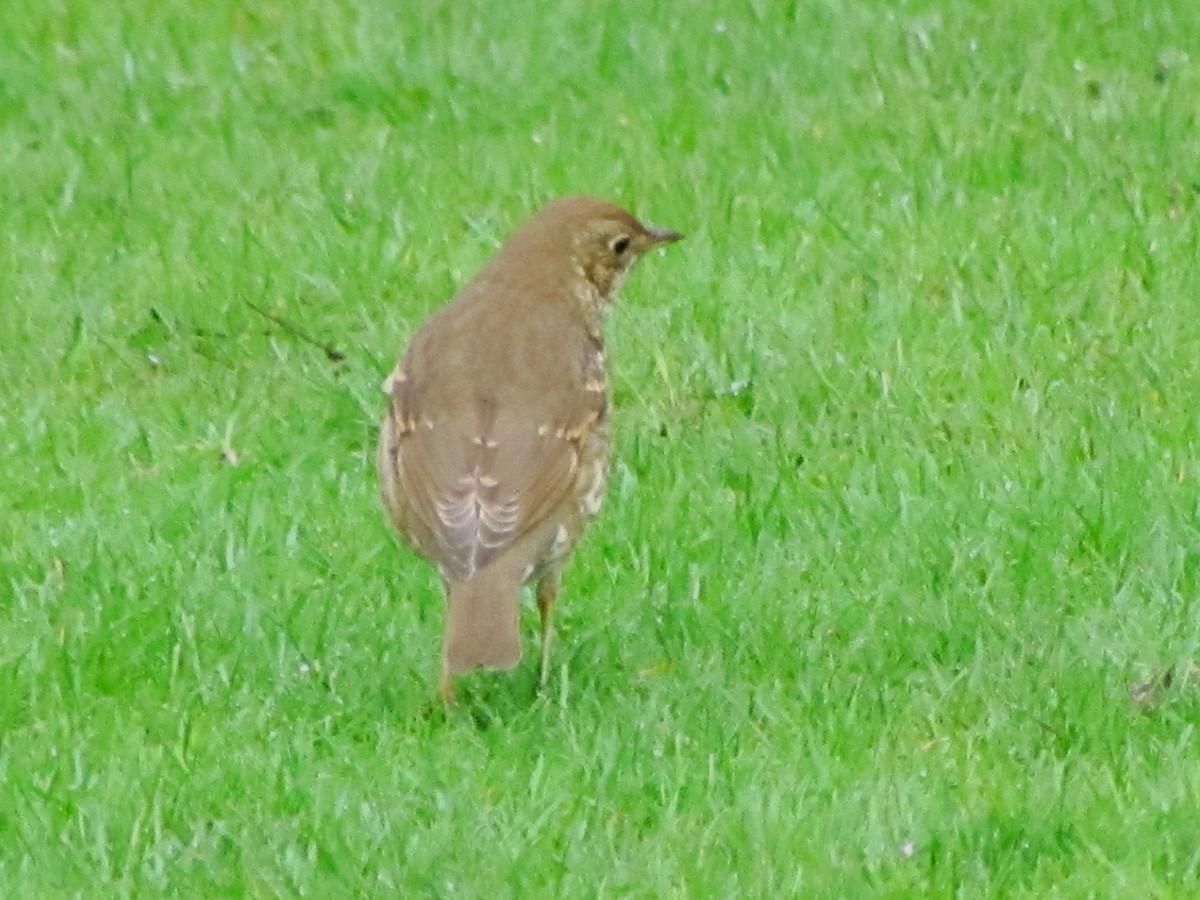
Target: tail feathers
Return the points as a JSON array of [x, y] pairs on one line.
[[482, 622]]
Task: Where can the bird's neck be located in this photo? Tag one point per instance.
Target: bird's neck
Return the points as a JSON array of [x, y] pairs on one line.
[[594, 308]]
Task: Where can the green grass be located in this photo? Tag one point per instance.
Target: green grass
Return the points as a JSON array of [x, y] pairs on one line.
[[906, 489]]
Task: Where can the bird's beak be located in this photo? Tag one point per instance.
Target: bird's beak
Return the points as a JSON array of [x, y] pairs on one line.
[[657, 236]]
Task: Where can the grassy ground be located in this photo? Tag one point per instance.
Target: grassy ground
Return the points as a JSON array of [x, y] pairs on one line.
[[905, 502]]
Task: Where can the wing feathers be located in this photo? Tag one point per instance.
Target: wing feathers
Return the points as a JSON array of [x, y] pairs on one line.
[[478, 471], [477, 494], [473, 525]]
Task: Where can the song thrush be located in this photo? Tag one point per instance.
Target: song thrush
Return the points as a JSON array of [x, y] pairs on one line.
[[494, 452]]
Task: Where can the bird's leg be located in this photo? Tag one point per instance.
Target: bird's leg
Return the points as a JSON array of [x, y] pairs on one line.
[[547, 593], [445, 685]]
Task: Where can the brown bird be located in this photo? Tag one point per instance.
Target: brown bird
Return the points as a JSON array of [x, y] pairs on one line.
[[494, 452]]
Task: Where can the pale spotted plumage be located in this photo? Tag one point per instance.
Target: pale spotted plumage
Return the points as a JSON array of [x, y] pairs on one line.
[[494, 453]]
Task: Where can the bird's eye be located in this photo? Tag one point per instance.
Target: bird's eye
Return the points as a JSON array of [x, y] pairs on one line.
[[620, 244]]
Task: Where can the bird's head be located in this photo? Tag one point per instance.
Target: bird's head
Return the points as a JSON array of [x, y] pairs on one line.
[[607, 241], [598, 242]]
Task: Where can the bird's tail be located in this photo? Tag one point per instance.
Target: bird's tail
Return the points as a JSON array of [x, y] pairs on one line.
[[482, 621]]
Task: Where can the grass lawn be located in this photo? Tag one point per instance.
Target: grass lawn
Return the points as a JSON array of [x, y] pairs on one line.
[[896, 590]]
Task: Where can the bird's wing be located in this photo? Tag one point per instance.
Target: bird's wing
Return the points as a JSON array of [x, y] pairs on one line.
[[481, 477]]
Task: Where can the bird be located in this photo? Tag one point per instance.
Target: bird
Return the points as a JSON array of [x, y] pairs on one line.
[[493, 454]]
